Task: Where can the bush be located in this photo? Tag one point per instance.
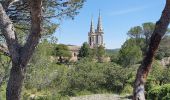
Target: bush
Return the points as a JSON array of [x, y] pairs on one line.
[[3, 92], [153, 94], [165, 89], [130, 53], [128, 89], [160, 55], [160, 92], [85, 75], [167, 97]]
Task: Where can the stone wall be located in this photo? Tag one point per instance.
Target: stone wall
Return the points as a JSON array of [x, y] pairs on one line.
[[74, 52], [165, 61]]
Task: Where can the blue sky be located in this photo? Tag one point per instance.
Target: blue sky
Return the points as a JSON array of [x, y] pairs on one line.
[[118, 16]]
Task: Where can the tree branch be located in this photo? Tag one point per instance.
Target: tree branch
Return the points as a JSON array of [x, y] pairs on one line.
[[35, 34], [6, 3], [7, 29]]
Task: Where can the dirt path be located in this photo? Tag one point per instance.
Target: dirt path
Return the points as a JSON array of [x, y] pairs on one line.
[[99, 97]]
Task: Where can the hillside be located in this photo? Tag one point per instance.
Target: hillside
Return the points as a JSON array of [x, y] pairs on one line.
[[112, 51]]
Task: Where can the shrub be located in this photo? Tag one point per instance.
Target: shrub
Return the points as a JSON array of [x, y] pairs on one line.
[[3, 92], [153, 94], [167, 97], [165, 89], [160, 92], [128, 89]]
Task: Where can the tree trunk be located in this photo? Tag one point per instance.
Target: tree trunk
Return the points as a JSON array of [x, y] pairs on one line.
[[60, 59], [20, 55], [15, 82], [142, 73]]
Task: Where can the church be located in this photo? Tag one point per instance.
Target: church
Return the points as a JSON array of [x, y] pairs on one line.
[[95, 39], [95, 36]]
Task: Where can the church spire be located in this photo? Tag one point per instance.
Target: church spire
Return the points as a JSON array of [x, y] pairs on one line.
[[99, 25], [92, 26]]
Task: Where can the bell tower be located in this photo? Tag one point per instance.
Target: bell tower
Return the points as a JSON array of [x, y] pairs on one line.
[[91, 35], [95, 37]]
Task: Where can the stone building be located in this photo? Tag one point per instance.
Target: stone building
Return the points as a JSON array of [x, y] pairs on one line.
[[74, 52], [95, 37]]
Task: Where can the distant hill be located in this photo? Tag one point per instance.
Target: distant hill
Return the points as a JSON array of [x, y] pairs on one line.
[[112, 51]]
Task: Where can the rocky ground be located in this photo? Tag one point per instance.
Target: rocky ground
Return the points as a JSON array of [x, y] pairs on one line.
[[100, 97]]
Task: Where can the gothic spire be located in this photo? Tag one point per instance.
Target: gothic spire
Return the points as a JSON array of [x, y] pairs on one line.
[[92, 26], [99, 25]]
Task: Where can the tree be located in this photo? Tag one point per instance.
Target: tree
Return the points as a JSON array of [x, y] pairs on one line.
[[142, 32], [100, 53], [148, 29], [142, 73], [43, 73], [31, 13], [129, 54], [85, 51], [135, 32], [62, 51], [20, 57], [164, 48], [5, 63], [165, 79]]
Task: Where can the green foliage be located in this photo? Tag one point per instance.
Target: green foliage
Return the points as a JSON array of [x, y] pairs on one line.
[[165, 76], [135, 32], [85, 51], [48, 80], [156, 72], [5, 65], [164, 48], [144, 32], [148, 29], [114, 57], [159, 92], [153, 94], [101, 53], [117, 77], [44, 78], [111, 51], [113, 54], [87, 77], [165, 89], [129, 54], [159, 75], [3, 92], [160, 55], [62, 51], [167, 97], [97, 53], [128, 89], [52, 9]]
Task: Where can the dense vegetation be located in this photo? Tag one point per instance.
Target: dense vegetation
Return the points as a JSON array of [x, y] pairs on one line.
[[50, 75], [47, 79]]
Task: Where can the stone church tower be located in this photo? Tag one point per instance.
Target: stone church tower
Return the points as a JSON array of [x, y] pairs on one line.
[[95, 37]]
